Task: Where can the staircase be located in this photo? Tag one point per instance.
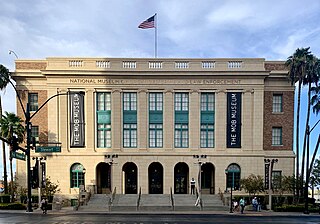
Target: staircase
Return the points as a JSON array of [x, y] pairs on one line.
[[153, 202], [98, 202]]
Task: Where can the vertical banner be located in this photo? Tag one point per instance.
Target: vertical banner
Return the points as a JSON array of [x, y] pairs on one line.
[[266, 175], [76, 119], [234, 120]]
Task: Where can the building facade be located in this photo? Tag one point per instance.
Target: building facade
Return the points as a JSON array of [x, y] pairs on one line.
[[153, 124]]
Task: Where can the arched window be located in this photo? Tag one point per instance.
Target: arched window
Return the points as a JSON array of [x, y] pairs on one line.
[[233, 173], [77, 175]]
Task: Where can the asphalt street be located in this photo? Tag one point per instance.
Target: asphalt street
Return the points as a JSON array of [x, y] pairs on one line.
[[165, 218]]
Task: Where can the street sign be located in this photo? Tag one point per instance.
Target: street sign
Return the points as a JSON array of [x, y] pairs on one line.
[[48, 149], [17, 155]]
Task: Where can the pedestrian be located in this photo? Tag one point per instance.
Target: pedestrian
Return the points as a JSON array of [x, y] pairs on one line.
[[193, 185], [254, 204], [44, 205], [235, 206], [242, 204], [259, 205]]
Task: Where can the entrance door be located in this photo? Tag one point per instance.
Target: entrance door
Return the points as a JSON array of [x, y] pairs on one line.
[[130, 176], [181, 172], [155, 178], [207, 178], [103, 172]]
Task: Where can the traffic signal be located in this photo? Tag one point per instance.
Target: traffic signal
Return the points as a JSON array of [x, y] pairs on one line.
[[35, 176], [14, 143]]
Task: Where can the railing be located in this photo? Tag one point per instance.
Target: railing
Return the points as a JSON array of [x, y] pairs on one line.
[[139, 199], [172, 199], [111, 198]]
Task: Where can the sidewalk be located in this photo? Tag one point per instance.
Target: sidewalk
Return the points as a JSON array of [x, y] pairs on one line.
[[69, 210]]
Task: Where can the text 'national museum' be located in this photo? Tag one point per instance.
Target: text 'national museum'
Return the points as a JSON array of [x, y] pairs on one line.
[[147, 123]]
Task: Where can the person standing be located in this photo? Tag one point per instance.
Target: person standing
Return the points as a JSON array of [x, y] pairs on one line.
[[242, 204], [44, 205], [254, 204], [193, 185]]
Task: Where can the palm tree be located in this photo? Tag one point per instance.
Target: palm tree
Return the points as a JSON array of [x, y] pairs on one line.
[[311, 78], [297, 71], [11, 125], [4, 80]]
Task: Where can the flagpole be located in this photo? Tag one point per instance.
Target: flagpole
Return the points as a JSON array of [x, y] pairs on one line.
[[155, 35]]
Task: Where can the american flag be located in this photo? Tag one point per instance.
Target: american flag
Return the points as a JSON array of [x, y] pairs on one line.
[[149, 23]]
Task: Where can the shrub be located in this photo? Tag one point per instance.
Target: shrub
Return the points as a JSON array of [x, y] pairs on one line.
[[5, 198], [12, 206]]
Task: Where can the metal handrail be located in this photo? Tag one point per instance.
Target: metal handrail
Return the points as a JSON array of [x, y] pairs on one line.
[[172, 199], [139, 199], [111, 198]]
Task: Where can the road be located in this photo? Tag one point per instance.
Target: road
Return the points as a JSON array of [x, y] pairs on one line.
[[82, 218]]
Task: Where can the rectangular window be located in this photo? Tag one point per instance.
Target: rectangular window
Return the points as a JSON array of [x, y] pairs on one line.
[[35, 133], [33, 101], [104, 120], [207, 136], [155, 136], [277, 103], [181, 130], [207, 101], [103, 101], [130, 120], [181, 134], [207, 120], [155, 101], [77, 179], [276, 136], [130, 101], [104, 136], [276, 179], [130, 135], [181, 102]]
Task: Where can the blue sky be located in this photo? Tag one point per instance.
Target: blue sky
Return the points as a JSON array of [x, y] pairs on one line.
[[36, 29]]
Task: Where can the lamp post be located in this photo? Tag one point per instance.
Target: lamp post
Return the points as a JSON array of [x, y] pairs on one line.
[[270, 163], [28, 117], [232, 185], [200, 163]]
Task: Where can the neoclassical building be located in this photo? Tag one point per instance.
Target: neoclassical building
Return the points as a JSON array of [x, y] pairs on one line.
[[154, 123]]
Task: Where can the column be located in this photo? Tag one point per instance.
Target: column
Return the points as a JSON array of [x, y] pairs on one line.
[[116, 120], [168, 120], [142, 114], [194, 120]]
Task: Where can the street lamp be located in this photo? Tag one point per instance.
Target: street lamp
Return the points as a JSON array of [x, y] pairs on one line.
[[269, 164], [232, 185], [28, 117], [200, 163]]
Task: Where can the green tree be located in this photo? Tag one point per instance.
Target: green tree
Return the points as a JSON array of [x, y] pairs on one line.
[[316, 172], [297, 71], [4, 80], [253, 184], [11, 125], [50, 189]]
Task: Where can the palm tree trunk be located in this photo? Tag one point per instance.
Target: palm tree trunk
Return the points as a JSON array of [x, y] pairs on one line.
[[305, 134], [297, 142], [12, 179], [5, 176]]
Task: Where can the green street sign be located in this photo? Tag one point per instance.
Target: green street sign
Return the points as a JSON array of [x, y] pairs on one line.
[[48, 149], [17, 155]]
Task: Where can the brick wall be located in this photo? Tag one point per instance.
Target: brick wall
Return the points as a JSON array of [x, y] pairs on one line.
[[41, 118], [284, 120]]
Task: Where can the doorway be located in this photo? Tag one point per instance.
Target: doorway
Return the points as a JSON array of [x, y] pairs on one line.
[[155, 173], [130, 172], [103, 178], [181, 173]]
